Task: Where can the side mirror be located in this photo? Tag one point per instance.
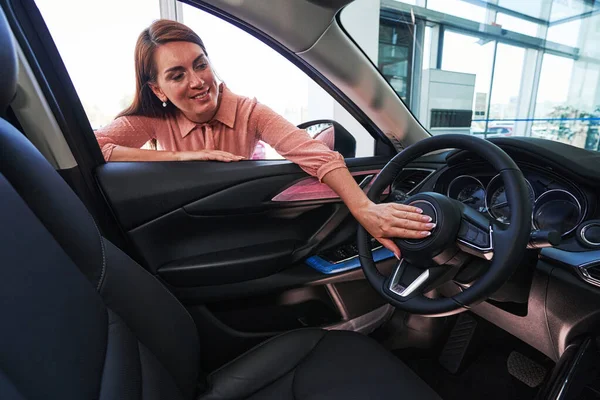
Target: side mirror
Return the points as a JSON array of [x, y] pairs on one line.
[[334, 135]]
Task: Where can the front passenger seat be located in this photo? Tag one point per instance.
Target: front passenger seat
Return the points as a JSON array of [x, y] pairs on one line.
[[81, 320]]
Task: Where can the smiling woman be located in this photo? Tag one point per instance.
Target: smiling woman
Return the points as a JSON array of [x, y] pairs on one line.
[[180, 105]]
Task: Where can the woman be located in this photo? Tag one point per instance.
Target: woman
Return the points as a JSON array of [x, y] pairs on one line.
[[180, 105]]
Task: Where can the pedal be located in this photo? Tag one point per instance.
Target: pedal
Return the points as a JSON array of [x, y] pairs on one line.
[[525, 369], [455, 349]]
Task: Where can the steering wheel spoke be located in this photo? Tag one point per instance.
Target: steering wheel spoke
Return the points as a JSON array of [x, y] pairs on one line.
[[476, 233], [397, 284], [409, 280], [476, 240]]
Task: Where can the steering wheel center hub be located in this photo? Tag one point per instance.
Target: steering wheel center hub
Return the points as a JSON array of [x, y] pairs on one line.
[[429, 210], [445, 214]]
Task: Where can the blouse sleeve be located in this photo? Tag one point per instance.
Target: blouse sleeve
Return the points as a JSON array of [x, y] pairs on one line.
[[129, 131], [295, 144]]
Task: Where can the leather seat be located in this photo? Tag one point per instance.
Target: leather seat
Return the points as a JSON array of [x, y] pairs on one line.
[[81, 320], [316, 364]]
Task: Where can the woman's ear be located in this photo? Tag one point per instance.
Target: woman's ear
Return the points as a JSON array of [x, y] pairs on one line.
[[158, 92]]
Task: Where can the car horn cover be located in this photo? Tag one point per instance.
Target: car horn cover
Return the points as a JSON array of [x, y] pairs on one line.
[[444, 214]]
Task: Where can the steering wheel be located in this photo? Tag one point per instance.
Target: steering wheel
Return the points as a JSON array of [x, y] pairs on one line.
[[460, 232]]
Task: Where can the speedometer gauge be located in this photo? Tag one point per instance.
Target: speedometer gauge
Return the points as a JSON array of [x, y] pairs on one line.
[[496, 201], [468, 190]]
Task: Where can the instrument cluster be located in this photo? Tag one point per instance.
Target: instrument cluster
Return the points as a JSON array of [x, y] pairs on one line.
[[554, 206]]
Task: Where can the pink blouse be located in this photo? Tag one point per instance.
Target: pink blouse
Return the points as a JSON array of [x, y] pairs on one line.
[[239, 123]]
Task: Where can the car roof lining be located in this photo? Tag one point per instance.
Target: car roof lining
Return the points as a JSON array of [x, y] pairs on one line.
[[283, 20]]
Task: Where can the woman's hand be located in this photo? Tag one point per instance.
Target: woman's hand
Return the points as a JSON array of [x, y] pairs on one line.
[[391, 220], [208, 155], [121, 153], [382, 221]]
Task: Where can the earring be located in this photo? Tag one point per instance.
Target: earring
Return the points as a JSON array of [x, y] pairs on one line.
[[164, 103]]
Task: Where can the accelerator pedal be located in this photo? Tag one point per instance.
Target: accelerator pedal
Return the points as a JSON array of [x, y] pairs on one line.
[[525, 369]]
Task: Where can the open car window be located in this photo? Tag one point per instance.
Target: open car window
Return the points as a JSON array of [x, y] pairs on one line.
[[98, 47]]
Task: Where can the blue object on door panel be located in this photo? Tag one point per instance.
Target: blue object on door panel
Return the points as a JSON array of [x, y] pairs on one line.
[[326, 267]]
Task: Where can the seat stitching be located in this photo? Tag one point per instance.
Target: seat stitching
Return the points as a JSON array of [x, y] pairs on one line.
[[145, 271], [103, 257], [168, 292]]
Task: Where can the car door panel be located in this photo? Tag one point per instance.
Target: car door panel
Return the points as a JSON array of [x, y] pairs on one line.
[[206, 224], [142, 191], [228, 266], [180, 236]]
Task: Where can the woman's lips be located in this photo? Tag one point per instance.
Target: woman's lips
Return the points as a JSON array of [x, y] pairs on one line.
[[204, 95]]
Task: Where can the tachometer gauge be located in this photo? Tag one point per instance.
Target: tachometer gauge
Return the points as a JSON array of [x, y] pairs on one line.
[[468, 190], [496, 201]]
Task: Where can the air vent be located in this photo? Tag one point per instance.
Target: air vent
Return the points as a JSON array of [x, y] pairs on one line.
[[594, 272], [410, 178]]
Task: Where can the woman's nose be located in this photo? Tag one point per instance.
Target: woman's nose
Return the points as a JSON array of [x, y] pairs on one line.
[[196, 81]]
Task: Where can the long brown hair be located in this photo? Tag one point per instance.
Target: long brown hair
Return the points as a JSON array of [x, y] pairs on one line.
[[145, 102]]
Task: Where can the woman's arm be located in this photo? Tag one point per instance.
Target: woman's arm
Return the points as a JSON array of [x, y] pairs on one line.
[[295, 144], [382, 221], [128, 132], [122, 153], [121, 141]]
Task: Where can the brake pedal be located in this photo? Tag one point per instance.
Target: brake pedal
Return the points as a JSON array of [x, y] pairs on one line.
[[525, 369], [455, 349]]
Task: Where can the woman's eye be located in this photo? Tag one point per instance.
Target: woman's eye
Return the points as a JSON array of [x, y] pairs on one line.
[[201, 66], [177, 77]]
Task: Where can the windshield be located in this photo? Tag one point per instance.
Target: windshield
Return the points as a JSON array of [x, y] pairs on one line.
[[512, 68]]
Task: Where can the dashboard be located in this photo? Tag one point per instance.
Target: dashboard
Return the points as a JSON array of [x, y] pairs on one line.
[[562, 182], [554, 294]]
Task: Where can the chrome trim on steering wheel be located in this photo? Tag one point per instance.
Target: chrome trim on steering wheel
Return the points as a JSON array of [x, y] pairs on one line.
[[490, 247], [486, 253], [414, 285]]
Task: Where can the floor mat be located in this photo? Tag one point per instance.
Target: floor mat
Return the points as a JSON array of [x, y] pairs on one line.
[[485, 377]]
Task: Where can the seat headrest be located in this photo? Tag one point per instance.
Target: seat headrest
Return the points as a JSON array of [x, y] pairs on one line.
[[8, 61]]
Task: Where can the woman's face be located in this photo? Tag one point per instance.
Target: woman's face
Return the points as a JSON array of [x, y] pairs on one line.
[[185, 78]]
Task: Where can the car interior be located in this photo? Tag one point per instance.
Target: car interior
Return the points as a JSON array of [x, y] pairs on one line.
[[129, 280]]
